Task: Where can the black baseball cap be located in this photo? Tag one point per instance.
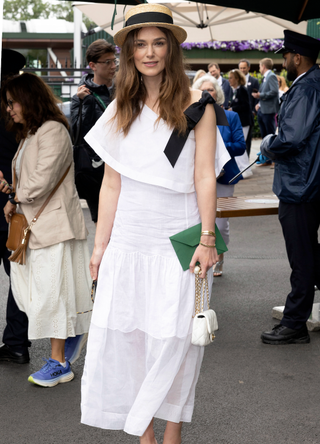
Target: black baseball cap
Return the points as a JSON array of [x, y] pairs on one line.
[[11, 62], [299, 44]]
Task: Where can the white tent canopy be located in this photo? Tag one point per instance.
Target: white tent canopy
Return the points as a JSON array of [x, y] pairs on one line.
[[47, 26], [202, 22]]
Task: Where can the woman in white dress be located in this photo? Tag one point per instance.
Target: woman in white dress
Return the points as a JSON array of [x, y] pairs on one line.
[[140, 363], [54, 284]]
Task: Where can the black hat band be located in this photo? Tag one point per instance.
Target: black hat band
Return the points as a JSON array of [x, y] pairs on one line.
[[149, 17], [295, 49]]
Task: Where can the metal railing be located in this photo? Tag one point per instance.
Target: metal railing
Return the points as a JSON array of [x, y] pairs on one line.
[[62, 78]]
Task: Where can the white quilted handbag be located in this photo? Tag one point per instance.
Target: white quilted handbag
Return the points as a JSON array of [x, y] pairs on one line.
[[205, 322]]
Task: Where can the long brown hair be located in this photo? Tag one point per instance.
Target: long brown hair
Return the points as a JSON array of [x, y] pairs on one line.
[[239, 76], [37, 101], [131, 93]]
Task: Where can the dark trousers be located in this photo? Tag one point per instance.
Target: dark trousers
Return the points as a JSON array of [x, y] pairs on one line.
[[267, 123], [249, 140], [300, 224], [15, 334]]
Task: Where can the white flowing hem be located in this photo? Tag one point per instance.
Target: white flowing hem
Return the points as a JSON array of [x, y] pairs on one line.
[[157, 380], [52, 287]]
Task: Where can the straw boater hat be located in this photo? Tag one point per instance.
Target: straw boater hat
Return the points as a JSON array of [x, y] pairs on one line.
[[145, 15]]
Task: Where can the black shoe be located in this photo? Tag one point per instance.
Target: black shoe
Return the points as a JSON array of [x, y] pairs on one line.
[[6, 354], [284, 335]]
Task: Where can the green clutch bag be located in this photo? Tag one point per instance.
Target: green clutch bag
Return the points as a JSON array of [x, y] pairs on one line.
[[186, 242]]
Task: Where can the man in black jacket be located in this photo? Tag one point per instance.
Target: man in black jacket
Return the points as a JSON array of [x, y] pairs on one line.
[[252, 85], [15, 335], [296, 153], [93, 96]]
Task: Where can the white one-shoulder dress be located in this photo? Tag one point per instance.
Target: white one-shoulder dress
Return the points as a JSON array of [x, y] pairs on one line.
[[140, 362]]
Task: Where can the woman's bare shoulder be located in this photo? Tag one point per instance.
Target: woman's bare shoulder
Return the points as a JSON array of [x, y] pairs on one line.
[[195, 95]]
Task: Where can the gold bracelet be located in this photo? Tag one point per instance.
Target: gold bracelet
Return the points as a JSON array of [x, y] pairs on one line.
[[209, 246], [208, 233]]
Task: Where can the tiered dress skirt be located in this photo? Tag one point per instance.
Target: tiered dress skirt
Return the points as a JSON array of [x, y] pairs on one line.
[[140, 362]]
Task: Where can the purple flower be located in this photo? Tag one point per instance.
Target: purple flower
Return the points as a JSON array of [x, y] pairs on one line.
[[266, 45]]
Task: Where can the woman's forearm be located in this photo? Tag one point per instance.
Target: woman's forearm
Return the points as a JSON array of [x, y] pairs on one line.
[[207, 202], [108, 201]]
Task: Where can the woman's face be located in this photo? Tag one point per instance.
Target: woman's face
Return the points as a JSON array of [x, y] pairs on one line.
[[232, 80], [15, 110], [207, 86], [151, 47]]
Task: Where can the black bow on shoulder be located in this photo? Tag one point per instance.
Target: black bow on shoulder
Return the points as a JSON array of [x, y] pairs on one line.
[[193, 113]]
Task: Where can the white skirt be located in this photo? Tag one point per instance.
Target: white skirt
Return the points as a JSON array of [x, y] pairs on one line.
[[140, 362], [52, 287]]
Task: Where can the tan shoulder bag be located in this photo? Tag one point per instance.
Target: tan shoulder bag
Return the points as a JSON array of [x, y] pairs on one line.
[[19, 231]]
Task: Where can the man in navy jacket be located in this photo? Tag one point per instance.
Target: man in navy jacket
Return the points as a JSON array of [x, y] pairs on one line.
[[296, 153], [268, 96], [214, 70]]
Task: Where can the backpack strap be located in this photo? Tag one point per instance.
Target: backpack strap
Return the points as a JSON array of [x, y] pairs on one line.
[[193, 113], [78, 135], [100, 102]]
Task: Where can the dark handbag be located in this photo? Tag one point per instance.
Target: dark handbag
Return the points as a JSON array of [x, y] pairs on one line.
[[19, 231]]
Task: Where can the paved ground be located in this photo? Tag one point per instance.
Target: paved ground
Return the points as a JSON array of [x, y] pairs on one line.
[[248, 392], [261, 180]]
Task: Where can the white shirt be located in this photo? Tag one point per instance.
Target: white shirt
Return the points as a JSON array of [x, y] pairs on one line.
[[19, 157], [219, 80], [266, 73], [298, 78]]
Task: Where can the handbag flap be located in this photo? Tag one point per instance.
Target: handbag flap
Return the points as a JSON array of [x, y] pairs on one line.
[[17, 225], [211, 318], [186, 242], [189, 237]]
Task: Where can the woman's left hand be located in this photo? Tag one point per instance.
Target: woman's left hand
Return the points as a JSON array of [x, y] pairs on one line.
[[9, 210], [206, 256]]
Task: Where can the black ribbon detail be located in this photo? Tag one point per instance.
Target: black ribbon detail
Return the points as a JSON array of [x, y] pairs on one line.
[[149, 17], [193, 113]]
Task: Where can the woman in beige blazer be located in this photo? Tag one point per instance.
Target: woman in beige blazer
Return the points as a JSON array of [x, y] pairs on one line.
[[55, 283]]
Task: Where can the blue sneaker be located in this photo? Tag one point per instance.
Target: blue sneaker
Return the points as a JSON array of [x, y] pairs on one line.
[[73, 347], [51, 374]]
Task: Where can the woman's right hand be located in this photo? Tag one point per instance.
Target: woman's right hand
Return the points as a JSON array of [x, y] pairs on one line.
[[4, 186], [95, 262]]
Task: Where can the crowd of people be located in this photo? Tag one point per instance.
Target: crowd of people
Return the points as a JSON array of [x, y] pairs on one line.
[[140, 193]]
